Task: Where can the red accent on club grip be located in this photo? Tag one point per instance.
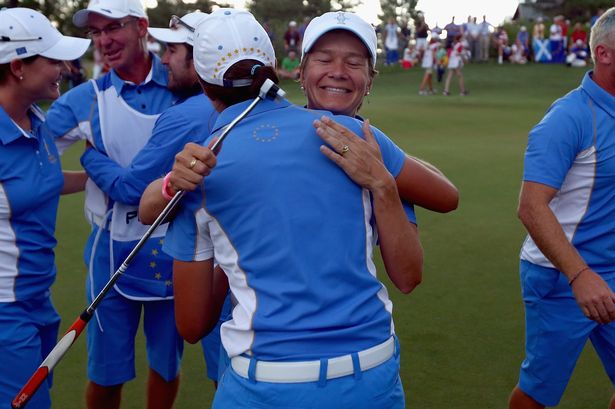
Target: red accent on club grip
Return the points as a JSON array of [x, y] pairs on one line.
[[77, 326], [30, 387]]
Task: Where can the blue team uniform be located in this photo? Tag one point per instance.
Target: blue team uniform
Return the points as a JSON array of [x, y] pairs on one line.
[[303, 293], [30, 185], [189, 120], [118, 118], [572, 150]]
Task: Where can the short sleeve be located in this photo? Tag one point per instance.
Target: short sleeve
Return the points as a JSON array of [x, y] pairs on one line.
[[187, 237], [553, 145]]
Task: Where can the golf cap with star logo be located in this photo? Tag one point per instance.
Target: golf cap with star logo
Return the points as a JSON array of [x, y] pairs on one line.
[[226, 37], [340, 20]]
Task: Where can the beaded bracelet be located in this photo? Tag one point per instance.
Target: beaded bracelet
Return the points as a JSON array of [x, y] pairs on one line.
[[165, 187], [576, 275]]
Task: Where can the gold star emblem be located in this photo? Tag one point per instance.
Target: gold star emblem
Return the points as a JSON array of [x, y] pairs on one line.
[[168, 283], [161, 242], [155, 252], [157, 276], [152, 264]]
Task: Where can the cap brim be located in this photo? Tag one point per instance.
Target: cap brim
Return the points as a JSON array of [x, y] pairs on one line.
[[80, 18], [67, 49], [166, 35], [308, 47]]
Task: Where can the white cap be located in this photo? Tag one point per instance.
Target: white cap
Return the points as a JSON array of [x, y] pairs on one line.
[[226, 37], [25, 32], [114, 9], [340, 20], [179, 33]]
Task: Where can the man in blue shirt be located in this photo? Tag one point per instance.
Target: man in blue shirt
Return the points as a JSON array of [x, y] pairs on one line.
[[567, 204], [190, 120], [116, 115]]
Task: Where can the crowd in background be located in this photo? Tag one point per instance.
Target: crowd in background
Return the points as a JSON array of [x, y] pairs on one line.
[[542, 40]]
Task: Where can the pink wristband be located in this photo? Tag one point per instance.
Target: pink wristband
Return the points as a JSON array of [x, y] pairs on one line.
[[165, 187]]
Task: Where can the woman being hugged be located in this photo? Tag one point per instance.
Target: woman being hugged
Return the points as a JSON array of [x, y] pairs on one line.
[[32, 55], [290, 221]]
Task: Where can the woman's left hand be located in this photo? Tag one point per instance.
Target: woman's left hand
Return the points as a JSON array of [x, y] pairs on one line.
[[359, 158]]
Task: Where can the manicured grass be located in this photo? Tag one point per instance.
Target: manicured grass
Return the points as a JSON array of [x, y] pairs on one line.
[[461, 331]]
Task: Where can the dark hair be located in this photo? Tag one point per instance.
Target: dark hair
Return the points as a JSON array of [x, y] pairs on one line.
[[241, 70], [189, 52], [5, 69]]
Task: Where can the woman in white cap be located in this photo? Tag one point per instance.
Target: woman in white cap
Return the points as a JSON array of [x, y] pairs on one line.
[[312, 325], [337, 72], [32, 55]]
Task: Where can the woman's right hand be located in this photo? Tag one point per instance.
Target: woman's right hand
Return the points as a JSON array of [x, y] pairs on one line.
[[191, 165]]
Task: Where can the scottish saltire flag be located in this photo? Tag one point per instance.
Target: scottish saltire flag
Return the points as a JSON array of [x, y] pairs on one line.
[[542, 51]]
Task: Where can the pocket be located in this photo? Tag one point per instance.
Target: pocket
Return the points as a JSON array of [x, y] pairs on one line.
[[537, 282]]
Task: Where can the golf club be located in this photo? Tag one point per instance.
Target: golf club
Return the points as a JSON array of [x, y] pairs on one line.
[[269, 90]]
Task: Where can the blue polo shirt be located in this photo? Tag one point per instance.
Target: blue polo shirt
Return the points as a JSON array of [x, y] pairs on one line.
[[573, 150], [30, 184], [190, 120], [293, 233], [74, 116]]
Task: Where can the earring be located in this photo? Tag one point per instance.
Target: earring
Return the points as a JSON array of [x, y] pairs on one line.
[[21, 78]]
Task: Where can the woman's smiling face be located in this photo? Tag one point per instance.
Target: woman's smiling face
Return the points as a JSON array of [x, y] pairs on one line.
[[336, 73]]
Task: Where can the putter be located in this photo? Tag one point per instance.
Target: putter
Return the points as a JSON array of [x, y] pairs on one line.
[[269, 90]]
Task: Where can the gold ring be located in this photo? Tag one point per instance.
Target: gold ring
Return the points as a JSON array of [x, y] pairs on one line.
[[192, 163], [345, 149]]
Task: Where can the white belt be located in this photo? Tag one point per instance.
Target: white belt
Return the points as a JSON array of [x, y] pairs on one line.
[[309, 371]]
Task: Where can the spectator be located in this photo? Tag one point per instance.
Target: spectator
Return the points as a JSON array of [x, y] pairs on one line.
[[596, 16], [577, 57], [410, 56], [292, 38], [76, 74], [269, 30], [289, 68], [428, 63], [485, 42], [538, 32], [441, 62], [421, 31], [473, 38], [578, 33], [501, 44], [391, 41], [522, 43], [404, 35], [452, 31], [455, 64], [556, 41], [303, 26]]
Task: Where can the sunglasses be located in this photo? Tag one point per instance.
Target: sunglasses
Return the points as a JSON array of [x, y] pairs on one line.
[[176, 22], [6, 38], [110, 29]]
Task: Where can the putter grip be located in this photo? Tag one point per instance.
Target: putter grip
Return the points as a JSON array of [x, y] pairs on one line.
[[51, 361], [30, 387]]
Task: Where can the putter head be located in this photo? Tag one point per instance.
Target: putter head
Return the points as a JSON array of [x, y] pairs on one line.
[[269, 90]]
